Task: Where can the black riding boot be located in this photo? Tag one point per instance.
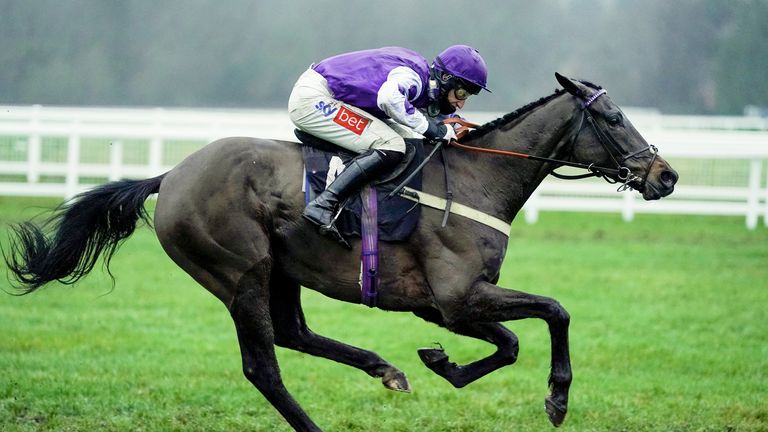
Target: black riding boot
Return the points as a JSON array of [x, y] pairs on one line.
[[360, 171]]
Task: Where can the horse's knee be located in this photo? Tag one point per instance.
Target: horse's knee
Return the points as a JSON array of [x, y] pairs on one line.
[[557, 315], [510, 349]]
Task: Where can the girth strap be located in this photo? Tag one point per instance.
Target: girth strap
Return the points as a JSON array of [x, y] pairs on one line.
[[428, 200]]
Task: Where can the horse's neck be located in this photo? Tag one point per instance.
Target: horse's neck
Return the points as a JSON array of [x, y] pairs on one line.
[[501, 185]]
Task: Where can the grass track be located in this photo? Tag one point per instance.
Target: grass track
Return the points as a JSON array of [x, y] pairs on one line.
[[669, 332]]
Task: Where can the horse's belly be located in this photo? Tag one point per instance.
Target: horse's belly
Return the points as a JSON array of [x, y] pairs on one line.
[[336, 273]]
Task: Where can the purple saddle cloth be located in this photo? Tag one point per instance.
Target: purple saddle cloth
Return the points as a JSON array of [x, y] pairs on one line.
[[397, 216]]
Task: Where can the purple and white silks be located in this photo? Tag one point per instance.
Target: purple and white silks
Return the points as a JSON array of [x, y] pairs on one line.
[[389, 82]]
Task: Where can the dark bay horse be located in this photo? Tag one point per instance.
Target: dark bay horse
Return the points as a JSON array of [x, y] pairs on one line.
[[230, 216]]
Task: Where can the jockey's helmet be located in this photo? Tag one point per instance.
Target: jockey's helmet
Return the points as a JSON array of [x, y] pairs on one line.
[[463, 62]]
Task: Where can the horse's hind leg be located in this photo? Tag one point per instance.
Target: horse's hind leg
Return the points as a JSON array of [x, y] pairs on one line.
[[250, 311], [291, 332]]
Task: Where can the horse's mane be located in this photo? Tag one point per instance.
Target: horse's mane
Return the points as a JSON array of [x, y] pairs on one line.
[[507, 118]]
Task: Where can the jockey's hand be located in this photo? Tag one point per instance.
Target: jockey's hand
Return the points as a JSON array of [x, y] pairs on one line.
[[440, 131], [449, 135]]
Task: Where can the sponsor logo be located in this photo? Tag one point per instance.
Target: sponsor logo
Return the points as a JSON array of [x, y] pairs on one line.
[[325, 108], [351, 120]]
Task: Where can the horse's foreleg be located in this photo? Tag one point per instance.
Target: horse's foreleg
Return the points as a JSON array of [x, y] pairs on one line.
[[459, 376], [487, 302], [291, 332], [250, 312]]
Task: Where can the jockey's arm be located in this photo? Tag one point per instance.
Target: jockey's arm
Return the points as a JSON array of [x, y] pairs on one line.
[[392, 99]]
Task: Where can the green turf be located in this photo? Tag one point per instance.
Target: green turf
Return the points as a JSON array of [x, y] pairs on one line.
[[669, 332]]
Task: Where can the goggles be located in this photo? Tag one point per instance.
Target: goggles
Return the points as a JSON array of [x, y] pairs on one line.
[[461, 93], [464, 90]]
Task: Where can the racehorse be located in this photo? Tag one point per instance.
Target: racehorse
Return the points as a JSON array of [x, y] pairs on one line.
[[230, 216]]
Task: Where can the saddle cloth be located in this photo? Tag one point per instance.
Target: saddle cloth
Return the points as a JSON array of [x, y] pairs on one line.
[[397, 217]]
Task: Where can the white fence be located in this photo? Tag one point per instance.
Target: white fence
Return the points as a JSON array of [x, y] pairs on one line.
[[732, 151]]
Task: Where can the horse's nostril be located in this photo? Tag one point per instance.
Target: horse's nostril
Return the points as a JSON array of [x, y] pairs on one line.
[[668, 178]]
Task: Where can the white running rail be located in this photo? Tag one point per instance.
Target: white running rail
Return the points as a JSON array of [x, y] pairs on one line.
[[60, 151]]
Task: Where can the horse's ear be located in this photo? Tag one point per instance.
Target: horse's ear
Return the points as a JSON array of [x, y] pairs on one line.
[[568, 85]]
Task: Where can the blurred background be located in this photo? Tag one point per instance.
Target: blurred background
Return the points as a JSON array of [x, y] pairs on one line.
[[682, 56], [669, 330], [98, 90]]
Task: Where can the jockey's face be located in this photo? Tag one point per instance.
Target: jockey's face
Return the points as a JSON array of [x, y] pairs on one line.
[[450, 101], [455, 102]]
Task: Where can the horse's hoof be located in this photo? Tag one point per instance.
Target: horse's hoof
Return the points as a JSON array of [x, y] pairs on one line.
[[396, 381], [555, 411], [432, 356]]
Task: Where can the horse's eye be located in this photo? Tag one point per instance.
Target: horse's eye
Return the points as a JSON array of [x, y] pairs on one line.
[[614, 119]]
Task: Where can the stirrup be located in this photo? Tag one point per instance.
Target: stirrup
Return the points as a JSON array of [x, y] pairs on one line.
[[330, 230]]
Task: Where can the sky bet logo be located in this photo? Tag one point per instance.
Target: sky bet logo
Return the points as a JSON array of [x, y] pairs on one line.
[[351, 120], [325, 108]]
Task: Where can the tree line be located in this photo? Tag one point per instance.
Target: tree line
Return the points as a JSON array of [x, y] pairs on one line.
[[681, 56]]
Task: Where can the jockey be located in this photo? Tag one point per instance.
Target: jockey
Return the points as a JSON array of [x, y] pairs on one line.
[[367, 101]]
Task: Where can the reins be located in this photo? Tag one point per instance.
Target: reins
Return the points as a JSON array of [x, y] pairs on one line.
[[596, 170], [621, 172]]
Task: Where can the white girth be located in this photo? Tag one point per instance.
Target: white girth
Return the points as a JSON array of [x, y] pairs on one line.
[[428, 200]]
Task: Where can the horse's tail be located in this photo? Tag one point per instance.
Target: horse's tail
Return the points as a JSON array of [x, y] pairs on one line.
[[66, 247]]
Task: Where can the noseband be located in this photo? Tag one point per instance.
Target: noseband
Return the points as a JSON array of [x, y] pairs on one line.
[[617, 153]]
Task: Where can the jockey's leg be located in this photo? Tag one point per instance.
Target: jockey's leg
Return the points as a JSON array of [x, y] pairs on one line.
[[360, 171], [313, 109]]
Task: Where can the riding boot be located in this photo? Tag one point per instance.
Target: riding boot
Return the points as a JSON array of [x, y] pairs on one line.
[[360, 171]]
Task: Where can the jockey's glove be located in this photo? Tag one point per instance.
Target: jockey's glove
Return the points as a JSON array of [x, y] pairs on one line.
[[440, 131]]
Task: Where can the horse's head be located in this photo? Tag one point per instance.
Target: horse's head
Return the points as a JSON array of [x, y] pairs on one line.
[[604, 137]]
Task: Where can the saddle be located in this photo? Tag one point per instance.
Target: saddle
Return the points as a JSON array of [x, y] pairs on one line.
[[397, 217]]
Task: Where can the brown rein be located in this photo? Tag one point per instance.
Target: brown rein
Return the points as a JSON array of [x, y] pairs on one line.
[[623, 173], [464, 129]]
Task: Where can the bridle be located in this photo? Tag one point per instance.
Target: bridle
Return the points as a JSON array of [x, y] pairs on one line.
[[617, 153]]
